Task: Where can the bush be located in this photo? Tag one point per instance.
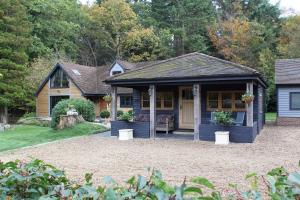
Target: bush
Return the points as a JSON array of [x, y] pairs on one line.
[[126, 116], [29, 114], [130, 112], [119, 113], [105, 114], [37, 180], [224, 118], [83, 107], [34, 121]]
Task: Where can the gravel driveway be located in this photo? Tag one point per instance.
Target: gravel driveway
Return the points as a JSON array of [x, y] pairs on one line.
[[275, 146]]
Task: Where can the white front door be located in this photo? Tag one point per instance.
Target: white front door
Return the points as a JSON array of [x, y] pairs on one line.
[[186, 107]]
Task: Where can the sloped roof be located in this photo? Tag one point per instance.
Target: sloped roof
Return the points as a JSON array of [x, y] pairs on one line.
[[90, 79], [189, 65], [287, 71]]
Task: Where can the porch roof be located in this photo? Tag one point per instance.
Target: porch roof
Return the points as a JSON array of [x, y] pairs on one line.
[[193, 65]]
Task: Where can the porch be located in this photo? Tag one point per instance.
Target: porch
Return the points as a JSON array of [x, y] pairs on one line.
[[191, 106]]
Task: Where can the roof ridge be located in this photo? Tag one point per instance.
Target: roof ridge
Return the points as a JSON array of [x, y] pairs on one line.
[[229, 62], [159, 62]]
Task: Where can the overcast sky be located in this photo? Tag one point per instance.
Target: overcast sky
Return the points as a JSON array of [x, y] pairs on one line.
[[289, 6]]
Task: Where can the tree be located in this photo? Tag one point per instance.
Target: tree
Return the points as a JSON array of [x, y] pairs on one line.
[[289, 41], [238, 40], [55, 27], [117, 19], [141, 45], [14, 39]]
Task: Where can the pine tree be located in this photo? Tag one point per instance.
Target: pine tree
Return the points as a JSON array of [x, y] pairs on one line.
[[14, 39]]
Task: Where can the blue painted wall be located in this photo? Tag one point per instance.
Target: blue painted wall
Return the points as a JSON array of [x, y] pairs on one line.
[[283, 101], [259, 117]]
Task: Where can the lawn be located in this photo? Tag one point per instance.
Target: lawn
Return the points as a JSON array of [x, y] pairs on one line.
[[271, 116], [26, 135]]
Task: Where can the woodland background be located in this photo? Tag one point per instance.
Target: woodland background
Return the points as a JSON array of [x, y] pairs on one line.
[[35, 34]]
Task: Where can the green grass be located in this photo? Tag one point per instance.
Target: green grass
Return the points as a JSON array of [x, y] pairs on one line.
[[271, 116], [26, 135]]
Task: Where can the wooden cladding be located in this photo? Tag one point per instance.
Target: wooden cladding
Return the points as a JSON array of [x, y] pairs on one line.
[[225, 100]]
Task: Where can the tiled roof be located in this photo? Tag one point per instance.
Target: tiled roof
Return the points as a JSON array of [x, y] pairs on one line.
[[90, 79], [287, 71], [189, 65]]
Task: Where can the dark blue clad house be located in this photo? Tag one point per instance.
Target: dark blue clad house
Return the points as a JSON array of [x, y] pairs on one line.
[[183, 92]]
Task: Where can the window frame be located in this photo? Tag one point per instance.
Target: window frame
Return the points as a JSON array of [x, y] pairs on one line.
[[161, 94], [126, 106], [290, 96], [59, 70], [219, 102]]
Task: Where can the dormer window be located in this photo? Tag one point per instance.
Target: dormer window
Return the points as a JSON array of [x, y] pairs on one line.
[[59, 79], [116, 72], [116, 69]]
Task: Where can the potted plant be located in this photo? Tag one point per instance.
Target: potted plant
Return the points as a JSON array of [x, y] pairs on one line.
[[247, 97], [126, 134], [107, 98], [223, 119]]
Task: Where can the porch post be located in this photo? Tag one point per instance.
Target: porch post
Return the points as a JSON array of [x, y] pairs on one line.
[[250, 105], [152, 93], [197, 109], [113, 103]]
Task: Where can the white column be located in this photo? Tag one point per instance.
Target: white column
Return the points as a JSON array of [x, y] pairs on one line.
[[113, 103], [152, 93], [250, 105], [197, 109]]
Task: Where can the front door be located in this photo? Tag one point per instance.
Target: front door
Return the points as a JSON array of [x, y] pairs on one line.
[[186, 107]]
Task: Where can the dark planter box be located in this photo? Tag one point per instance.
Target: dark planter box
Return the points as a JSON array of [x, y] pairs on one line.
[[238, 134], [140, 129]]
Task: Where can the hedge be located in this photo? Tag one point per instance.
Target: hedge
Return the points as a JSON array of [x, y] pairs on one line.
[[83, 107], [37, 180]]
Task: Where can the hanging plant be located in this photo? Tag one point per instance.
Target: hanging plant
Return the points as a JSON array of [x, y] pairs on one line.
[[107, 98], [247, 97]]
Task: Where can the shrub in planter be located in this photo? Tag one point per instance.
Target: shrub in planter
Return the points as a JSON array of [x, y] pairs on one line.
[[119, 113], [84, 107], [224, 118], [126, 116], [105, 114]]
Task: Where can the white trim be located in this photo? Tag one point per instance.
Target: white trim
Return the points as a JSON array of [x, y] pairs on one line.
[[116, 67]]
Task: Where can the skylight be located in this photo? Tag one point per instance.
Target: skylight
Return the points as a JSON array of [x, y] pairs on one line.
[[76, 72]]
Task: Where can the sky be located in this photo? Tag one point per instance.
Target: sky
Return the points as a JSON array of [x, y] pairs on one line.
[[288, 6]]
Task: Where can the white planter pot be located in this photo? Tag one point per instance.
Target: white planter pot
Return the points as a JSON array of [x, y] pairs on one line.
[[222, 137], [125, 134]]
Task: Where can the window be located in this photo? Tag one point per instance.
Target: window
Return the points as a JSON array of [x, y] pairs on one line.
[[59, 80], [145, 100], [125, 101], [225, 100], [294, 100], [116, 72], [55, 99], [164, 100]]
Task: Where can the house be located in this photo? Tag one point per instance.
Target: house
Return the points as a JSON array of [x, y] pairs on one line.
[[287, 80], [190, 88], [69, 80]]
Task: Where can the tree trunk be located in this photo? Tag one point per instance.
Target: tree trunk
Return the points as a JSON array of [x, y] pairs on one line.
[[3, 114]]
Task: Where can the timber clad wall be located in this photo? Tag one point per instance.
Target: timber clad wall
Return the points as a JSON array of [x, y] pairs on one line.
[[42, 102], [284, 102]]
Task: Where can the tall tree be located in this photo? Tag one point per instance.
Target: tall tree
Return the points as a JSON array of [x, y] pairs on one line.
[[289, 43], [14, 40], [141, 45], [55, 27]]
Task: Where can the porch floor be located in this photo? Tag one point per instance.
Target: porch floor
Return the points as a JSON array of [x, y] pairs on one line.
[[177, 134]]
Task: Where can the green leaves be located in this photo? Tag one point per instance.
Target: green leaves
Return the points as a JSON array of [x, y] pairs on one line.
[[37, 180]]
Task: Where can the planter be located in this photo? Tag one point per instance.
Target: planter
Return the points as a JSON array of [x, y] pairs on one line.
[[125, 134], [222, 137]]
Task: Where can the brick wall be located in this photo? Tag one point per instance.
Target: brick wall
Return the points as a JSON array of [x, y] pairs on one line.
[[288, 121]]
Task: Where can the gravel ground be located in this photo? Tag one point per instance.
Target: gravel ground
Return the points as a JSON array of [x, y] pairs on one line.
[[275, 146]]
